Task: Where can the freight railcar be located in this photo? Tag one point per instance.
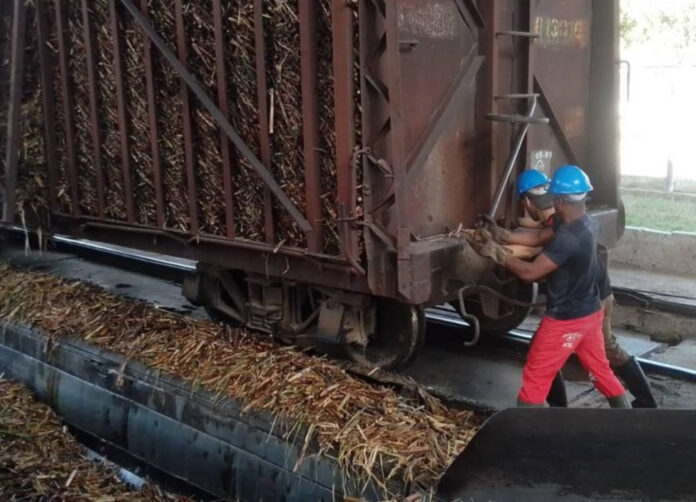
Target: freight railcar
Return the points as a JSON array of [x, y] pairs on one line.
[[318, 158]]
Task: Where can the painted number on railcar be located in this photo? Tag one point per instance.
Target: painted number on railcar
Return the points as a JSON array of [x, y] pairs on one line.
[[558, 32], [541, 161]]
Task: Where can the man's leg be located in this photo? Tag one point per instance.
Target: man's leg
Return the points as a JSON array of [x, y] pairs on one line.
[[591, 353], [557, 398], [616, 355], [624, 365], [547, 355]]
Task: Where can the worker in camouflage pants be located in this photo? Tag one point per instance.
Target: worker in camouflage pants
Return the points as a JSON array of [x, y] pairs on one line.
[[539, 214]]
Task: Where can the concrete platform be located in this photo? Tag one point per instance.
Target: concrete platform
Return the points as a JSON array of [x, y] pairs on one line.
[[666, 286]]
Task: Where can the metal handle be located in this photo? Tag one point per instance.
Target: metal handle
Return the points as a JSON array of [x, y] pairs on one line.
[[512, 160]]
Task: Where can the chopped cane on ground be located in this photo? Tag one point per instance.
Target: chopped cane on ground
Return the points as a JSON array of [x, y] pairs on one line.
[[40, 460], [372, 432]]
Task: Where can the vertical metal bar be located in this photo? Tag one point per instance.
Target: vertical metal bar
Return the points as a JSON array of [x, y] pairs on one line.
[[188, 125], [223, 103], [487, 131], [46, 65], [262, 96], [310, 120], [67, 105], [19, 26], [154, 126], [530, 47], [342, 29], [93, 106], [603, 122], [122, 111], [398, 149]]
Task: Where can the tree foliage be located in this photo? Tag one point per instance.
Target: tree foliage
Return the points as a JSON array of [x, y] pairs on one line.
[[671, 25]]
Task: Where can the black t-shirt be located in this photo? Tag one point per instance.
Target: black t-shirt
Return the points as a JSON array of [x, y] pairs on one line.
[[572, 290], [603, 282]]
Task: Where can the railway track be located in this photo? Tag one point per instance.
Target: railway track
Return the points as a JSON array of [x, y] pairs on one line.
[[174, 269]]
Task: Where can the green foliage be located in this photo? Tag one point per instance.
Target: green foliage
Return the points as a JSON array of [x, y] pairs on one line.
[[668, 24]]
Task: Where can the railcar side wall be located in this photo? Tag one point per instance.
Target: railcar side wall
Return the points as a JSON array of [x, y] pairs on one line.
[[371, 116]]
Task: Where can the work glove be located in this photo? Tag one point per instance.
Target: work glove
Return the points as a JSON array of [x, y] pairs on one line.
[[500, 235], [483, 243]]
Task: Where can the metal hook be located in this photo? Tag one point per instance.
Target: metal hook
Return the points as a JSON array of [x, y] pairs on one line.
[[471, 319]]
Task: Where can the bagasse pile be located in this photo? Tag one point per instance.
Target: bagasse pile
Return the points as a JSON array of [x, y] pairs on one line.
[[282, 59], [372, 432], [39, 460]]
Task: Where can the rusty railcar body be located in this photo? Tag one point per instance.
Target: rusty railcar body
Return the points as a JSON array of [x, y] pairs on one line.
[[407, 114]]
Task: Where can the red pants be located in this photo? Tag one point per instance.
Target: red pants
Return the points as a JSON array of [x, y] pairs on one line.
[[553, 343]]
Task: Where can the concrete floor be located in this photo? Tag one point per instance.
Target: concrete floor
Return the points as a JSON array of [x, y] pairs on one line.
[[665, 286], [487, 374]]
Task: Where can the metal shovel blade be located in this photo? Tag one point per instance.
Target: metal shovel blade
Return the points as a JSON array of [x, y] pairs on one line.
[[578, 454]]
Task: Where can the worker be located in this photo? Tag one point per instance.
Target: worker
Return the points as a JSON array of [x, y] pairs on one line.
[[569, 264], [532, 188]]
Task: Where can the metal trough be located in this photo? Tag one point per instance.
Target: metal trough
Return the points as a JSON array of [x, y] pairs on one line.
[[166, 424]]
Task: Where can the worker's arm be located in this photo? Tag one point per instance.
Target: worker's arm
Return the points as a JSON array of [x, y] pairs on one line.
[[532, 238], [523, 252], [531, 271], [530, 223]]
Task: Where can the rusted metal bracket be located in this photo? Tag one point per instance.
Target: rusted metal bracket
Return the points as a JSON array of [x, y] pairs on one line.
[[9, 184], [217, 115]]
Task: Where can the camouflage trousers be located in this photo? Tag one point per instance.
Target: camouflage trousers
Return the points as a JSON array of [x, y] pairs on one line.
[[615, 354]]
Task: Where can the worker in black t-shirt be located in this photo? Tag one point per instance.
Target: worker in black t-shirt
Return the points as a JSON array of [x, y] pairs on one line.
[[533, 191], [573, 320]]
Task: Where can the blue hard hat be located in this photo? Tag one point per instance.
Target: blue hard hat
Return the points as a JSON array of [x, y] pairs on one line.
[[570, 180], [530, 179]]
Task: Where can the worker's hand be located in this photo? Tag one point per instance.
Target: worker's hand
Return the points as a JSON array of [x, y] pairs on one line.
[[500, 235], [483, 243]]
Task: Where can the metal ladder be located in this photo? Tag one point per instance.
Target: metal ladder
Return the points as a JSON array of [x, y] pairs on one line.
[[524, 121]]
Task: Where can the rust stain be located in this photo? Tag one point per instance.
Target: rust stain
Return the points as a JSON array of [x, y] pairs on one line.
[[574, 121]]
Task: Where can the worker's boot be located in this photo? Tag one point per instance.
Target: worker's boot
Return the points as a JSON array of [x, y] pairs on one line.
[[619, 401], [636, 383], [557, 397]]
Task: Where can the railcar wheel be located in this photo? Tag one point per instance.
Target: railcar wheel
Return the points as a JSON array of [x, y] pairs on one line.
[[398, 337], [521, 291]]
